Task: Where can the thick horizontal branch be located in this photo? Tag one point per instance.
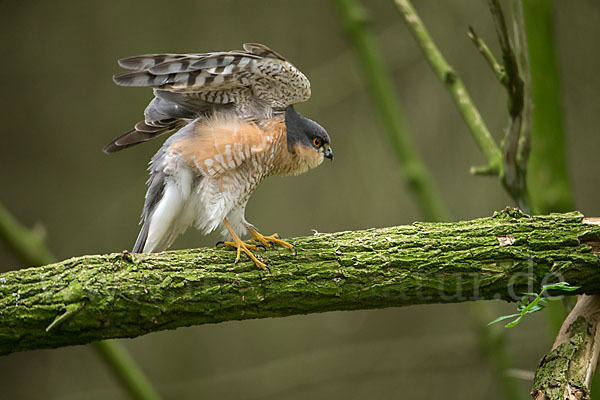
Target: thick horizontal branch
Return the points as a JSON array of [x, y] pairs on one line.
[[89, 298]]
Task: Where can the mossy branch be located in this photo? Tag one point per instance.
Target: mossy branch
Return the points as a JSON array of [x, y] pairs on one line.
[[90, 298]]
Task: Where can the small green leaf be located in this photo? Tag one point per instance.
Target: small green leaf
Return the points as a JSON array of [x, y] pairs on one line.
[[536, 309], [513, 323], [502, 318], [533, 302], [560, 286]]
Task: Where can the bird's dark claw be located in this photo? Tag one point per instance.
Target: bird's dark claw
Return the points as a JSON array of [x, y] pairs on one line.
[[219, 243], [262, 246], [294, 250]]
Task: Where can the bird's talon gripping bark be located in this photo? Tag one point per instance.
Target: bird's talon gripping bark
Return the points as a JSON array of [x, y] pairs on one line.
[[219, 243], [270, 241], [245, 247]]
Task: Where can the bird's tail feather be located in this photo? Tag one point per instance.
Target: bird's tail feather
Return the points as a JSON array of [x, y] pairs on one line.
[[138, 247], [156, 186]]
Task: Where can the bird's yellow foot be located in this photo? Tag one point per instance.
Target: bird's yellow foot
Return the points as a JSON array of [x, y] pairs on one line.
[[245, 247], [271, 240]]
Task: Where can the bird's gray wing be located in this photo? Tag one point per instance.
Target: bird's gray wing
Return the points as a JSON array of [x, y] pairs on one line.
[[254, 83], [257, 72]]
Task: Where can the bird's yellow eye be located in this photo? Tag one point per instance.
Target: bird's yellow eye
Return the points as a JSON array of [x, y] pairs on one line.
[[317, 142]]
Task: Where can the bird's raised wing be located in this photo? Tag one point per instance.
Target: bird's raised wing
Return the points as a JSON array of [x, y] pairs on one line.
[[254, 83], [256, 74]]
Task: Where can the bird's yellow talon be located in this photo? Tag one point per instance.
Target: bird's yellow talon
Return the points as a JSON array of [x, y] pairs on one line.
[[270, 240], [245, 247]]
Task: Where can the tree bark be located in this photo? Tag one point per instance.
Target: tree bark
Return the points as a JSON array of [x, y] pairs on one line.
[[566, 372], [89, 298]]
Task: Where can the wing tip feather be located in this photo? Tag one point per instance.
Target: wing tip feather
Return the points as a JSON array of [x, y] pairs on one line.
[[263, 51]]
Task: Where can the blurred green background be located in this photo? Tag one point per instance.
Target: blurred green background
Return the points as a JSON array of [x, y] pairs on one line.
[[59, 107]]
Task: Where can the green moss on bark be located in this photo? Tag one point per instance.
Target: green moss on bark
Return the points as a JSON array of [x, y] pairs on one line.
[[125, 295], [562, 368]]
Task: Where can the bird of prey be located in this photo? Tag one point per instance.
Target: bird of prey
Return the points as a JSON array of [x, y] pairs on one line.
[[234, 122]]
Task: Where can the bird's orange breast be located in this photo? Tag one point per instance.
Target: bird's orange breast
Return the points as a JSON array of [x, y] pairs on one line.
[[222, 145]]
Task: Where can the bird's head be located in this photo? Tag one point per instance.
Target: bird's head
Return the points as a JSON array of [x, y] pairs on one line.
[[306, 138]]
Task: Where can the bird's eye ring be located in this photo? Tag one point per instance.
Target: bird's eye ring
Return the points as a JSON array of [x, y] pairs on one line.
[[317, 142]]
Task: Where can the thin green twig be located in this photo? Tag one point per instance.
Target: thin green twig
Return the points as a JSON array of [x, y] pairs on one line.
[[126, 369], [450, 79], [380, 86], [514, 82], [30, 247], [26, 243], [488, 56]]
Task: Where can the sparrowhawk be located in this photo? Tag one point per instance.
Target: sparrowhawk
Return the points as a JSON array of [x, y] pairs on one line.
[[235, 124]]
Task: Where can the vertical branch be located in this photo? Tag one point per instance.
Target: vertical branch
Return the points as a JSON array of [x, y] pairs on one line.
[[514, 83], [567, 371], [31, 248], [380, 86], [548, 176], [521, 48], [516, 142]]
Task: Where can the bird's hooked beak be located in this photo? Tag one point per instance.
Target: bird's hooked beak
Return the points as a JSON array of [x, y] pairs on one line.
[[328, 152]]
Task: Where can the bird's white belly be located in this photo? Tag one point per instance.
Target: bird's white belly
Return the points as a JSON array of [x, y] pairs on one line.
[[215, 199]]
